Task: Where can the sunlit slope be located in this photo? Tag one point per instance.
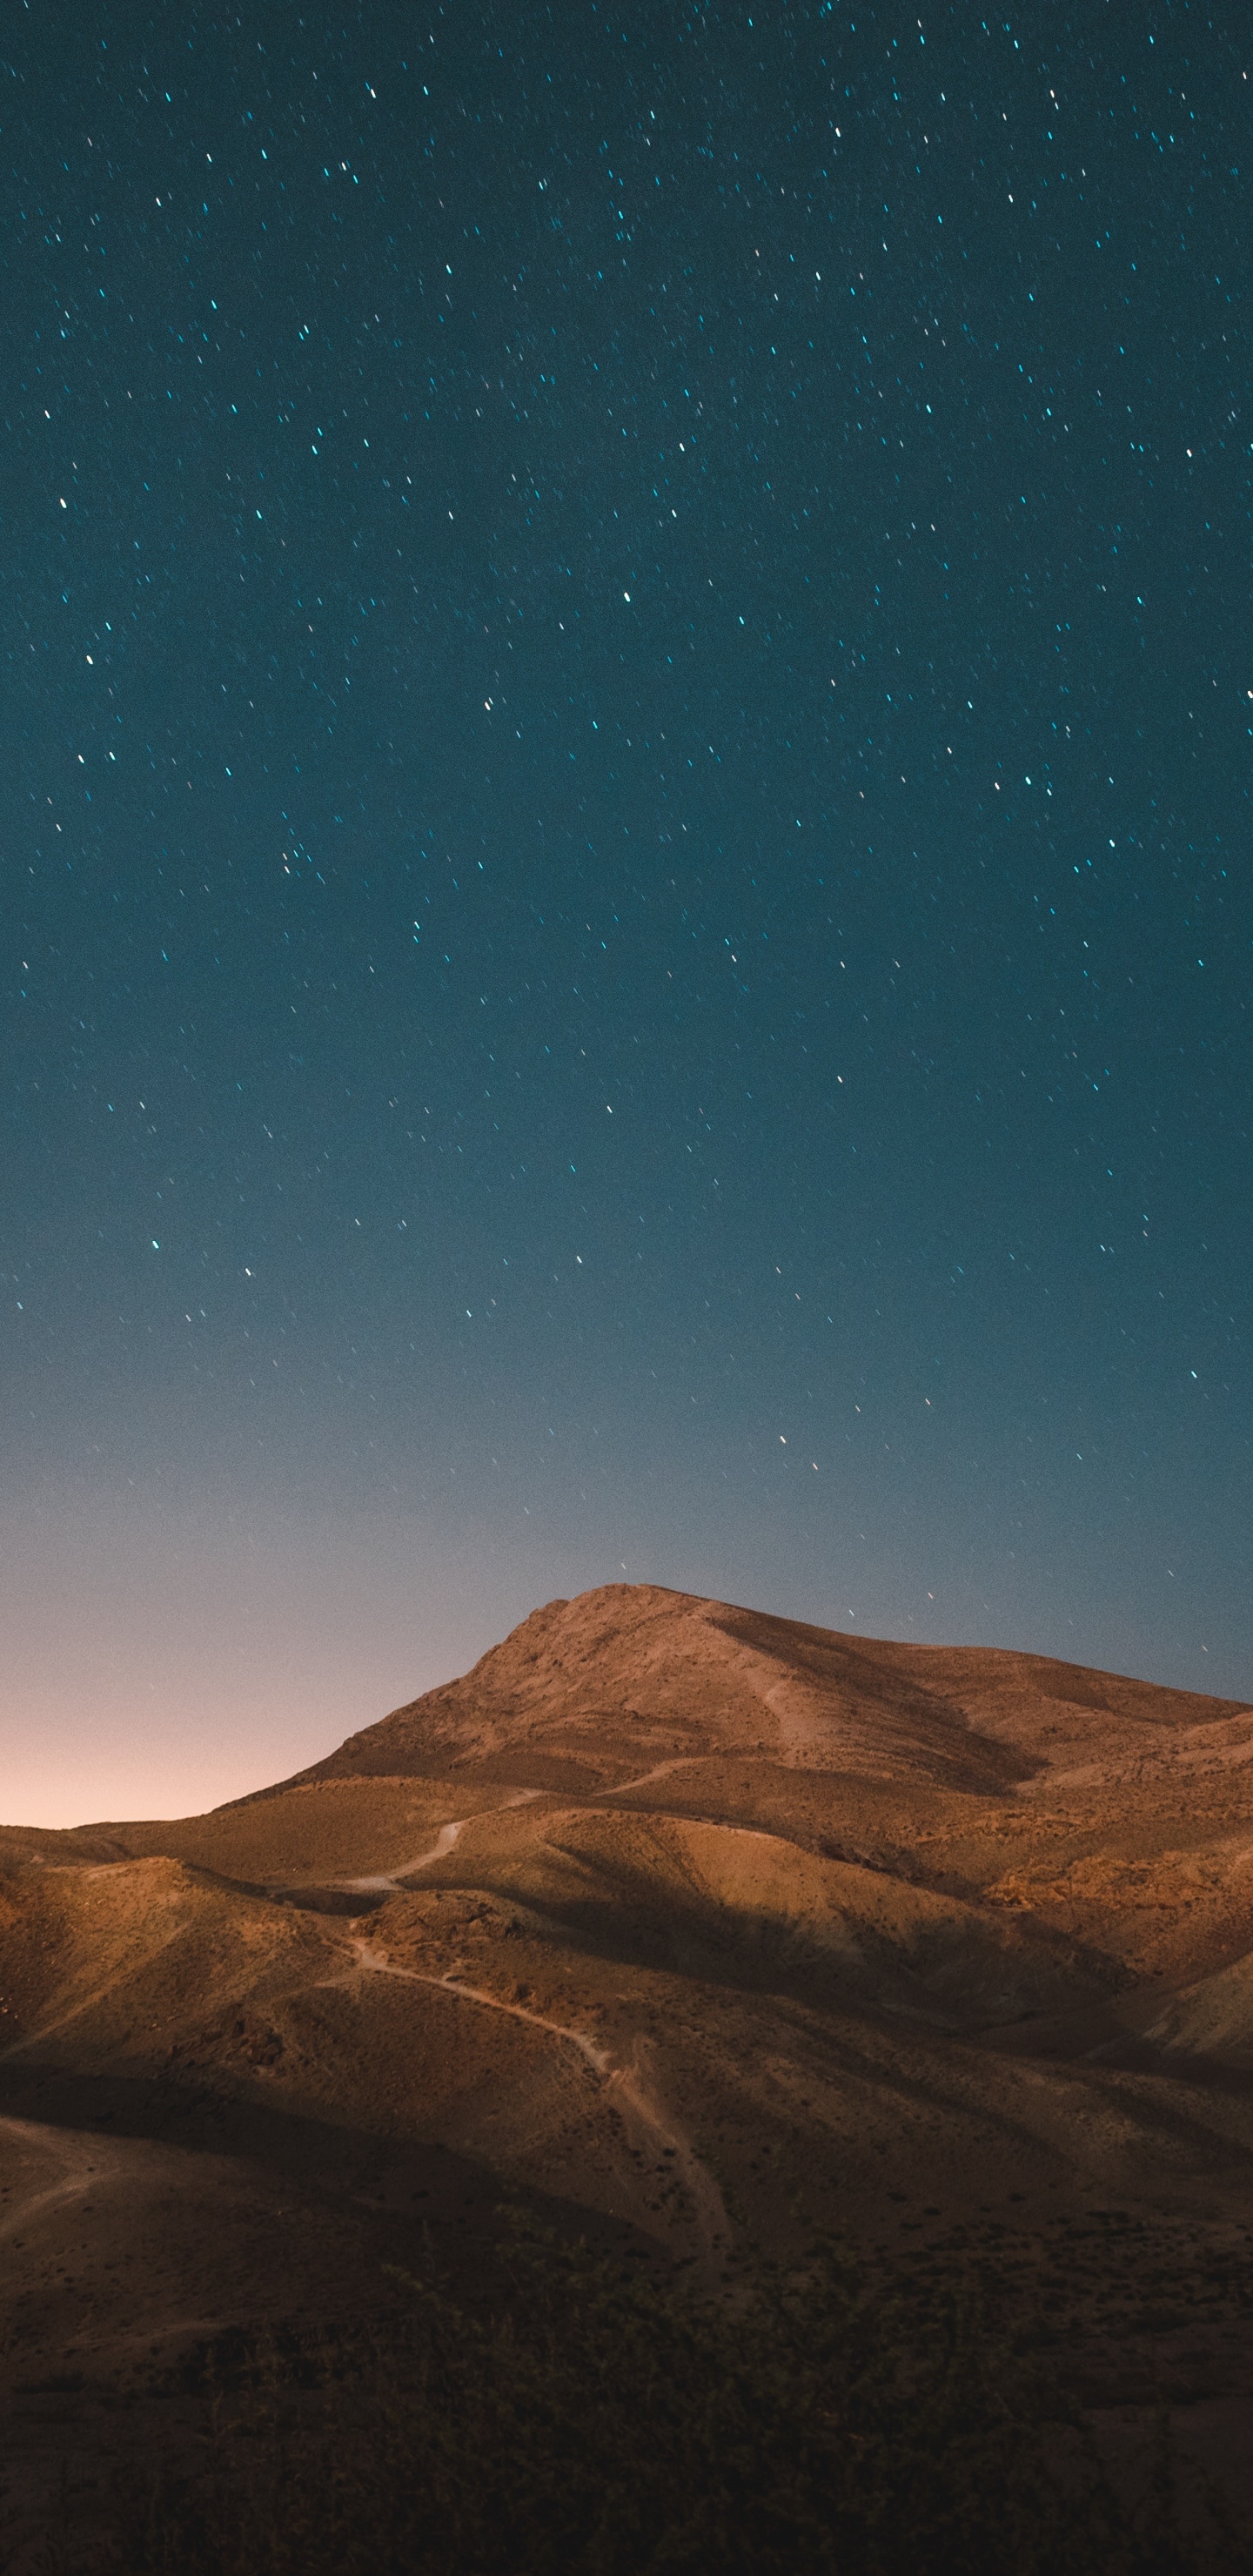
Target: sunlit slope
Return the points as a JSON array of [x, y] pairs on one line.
[[747, 1907], [317, 1833], [123, 1963], [305, 1836], [588, 1693], [666, 1887], [162, 1981]]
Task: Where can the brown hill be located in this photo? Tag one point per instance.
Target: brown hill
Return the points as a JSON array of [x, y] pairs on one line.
[[682, 1925], [586, 1691]]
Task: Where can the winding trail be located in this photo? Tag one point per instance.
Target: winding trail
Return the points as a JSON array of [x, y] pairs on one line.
[[392, 1882], [380, 1964], [633, 2096], [383, 1884], [631, 2092], [660, 1771], [683, 1815]]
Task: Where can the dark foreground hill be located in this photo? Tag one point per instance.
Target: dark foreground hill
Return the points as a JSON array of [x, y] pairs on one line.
[[682, 1930]]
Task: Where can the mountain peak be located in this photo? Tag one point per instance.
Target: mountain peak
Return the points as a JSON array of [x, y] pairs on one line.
[[587, 1694]]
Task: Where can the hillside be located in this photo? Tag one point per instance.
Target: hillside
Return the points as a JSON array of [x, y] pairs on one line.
[[586, 1691], [676, 1925]]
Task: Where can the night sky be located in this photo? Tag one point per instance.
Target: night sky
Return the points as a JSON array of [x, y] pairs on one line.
[[624, 833]]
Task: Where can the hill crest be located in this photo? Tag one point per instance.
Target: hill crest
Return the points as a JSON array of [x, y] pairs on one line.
[[586, 1694]]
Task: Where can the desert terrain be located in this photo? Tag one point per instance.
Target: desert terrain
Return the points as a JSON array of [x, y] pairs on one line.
[[678, 1928]]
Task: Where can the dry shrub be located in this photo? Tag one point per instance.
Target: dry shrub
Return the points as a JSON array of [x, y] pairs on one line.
[[601, 2426]]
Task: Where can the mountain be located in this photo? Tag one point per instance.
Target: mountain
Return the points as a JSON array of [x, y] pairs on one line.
[[586, 1691], [681, 1927]]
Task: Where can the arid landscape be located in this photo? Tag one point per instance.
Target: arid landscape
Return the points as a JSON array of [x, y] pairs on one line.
[[674, 1927]]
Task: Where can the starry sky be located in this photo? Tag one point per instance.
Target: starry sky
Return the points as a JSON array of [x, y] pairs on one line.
[[624, 846]]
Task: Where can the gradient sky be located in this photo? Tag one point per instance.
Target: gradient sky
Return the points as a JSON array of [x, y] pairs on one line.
[[624, 829]]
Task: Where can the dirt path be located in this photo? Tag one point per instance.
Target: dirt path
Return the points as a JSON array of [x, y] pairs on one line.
[[629, 2085], [684, 1815], [393, 1882], [383, 1884], [660, 1771], [389, 1882], [380, 1964]]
